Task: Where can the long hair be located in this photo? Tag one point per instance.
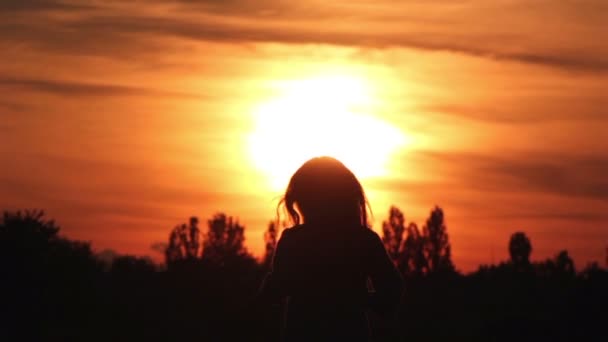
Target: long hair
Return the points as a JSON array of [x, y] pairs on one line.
[[324, 190]]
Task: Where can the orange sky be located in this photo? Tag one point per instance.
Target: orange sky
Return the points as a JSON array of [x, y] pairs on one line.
[[123, 118]]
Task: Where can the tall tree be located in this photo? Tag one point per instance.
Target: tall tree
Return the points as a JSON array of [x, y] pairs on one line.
[[47, 279], [30, 242], [184, 242], [224, 240], [437, 249], [270, 239], [520, 249], [412, 261], [392, 233], [28, 226], [564, 265]]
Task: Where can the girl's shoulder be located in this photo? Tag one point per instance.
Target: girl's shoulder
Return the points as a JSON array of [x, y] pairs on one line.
[[370, 235], [291, 231]]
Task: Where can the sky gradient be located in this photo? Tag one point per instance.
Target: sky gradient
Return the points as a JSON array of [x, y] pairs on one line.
[[123, 118]]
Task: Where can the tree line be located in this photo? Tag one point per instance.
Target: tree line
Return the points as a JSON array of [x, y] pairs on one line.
[[55, 288]]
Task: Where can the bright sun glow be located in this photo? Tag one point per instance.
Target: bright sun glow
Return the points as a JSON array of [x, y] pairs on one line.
[[324, 116]]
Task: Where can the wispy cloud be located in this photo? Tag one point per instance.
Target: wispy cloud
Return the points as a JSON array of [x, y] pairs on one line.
[[567, 175], [591, 107], [43, 5], [432, 27], [72, 88], [12, 107]]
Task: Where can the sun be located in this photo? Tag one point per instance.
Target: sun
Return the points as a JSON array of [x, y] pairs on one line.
[[321, 116]]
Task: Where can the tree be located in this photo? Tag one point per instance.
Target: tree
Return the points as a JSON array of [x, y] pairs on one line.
[[412, 261], [593, 271], [392, 233], [184, 243], [47, 280], [270, 238], [520, 249], [30, 242], [414, 252], [224, 239], [29, 226], [560, 267], [564, 263], [437, 249]]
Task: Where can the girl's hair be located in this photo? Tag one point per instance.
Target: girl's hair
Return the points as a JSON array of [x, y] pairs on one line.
[[324, 190]]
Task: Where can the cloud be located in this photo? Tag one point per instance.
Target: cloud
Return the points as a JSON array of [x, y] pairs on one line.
[[72, 88], [117, 27], [260, 8], [42, 5], [12, 107], [539, 109], [125, 190], [522, 187], [213, 30], [579, 215], [581, 176]]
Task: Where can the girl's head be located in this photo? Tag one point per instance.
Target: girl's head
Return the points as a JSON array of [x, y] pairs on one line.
[[324, 190]]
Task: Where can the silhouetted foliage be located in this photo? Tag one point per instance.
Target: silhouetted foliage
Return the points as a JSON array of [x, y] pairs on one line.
[[414, 252], [392, 233], [47, 280], [412, 261], [184, 243], [437, 248], [224, 239], [56, 288], [29, 242], [592, 270], [271, 236], [563, 265], [27, 226], [520, 249]]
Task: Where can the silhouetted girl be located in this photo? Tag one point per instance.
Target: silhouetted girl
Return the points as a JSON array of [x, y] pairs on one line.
[[323, 266]]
